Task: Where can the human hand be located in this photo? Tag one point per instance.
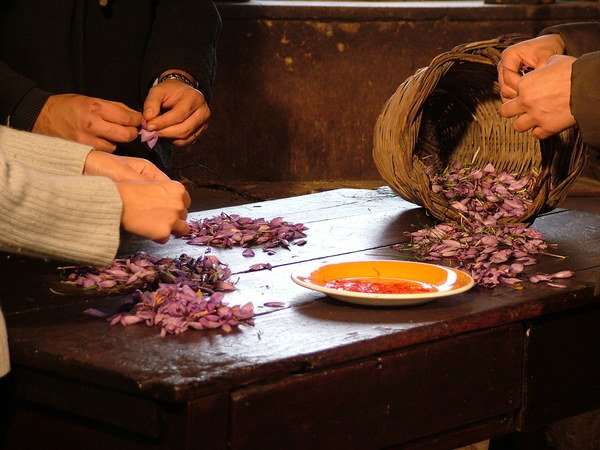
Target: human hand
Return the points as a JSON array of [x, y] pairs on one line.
[[542, 103], [88, 120], [154, 209], [121, 168], [186, 112], [532, 53]]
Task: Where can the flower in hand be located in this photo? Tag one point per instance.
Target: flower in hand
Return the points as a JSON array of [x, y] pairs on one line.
[[149, 137]]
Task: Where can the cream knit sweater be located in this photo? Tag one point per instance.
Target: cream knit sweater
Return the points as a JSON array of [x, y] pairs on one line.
[[48, 209]]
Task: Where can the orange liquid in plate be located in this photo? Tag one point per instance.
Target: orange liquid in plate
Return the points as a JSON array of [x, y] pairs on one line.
[[379, 286]]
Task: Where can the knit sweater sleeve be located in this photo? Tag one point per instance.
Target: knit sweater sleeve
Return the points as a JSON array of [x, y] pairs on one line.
[[50, 154], [66, 217], [50, 209]]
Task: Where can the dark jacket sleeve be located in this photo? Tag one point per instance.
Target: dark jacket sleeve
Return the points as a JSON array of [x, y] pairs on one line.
[[582, 40], [579, 37], [585, 97], [20, 100], [184, 36]]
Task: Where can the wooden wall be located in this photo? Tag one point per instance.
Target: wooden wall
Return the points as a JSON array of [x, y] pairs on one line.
[[299, 88]]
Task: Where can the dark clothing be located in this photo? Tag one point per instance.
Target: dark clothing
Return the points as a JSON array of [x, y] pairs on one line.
[[113, 52], [582, 40], [585, 97]]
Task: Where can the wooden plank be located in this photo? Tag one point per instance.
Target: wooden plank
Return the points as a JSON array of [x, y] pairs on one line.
[[133, 413], [463, 436], [34, 428], [562, 374], [385, 400], [200, 424], [333, 229]]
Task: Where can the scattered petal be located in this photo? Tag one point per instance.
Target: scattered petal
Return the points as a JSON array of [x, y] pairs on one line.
[[248, 253], [92, 312], [563, 274], [274, 304]]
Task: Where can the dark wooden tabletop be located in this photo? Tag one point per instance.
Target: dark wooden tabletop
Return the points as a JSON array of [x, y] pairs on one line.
[[312, 350]]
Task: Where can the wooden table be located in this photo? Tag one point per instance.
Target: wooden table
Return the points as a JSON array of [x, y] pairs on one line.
[[317, 374]]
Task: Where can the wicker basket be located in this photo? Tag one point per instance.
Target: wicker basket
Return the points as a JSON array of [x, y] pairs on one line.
[[449, 112]]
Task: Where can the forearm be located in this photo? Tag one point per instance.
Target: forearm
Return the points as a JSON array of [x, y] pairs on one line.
[[46, 153], [71, 218]]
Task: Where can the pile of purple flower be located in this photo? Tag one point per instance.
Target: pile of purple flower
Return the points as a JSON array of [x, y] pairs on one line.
[[179, 293], [482, 195], [182, 293], [177, 308], [230, 230], [145, 271], [480, 242]]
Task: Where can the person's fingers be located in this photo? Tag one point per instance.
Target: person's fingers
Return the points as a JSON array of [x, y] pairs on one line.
[[191, 138], [180, 228], [507, 94], [512, 108], [153, 104], [173, 121], [98, 143], [187, 200], [540, 133], [124, 106], [154, 209], [511, 60], [162, 240], [507, 83], [178, 109], [114, 113], [189, 129], [114, 167], [523, 123], [179, 191], [153, 173], [113, 132], [113, 123], [126, 173], [511, 79], [145, 168], [176, 117]]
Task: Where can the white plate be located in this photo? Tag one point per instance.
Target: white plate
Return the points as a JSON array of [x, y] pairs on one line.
[[443, 281]]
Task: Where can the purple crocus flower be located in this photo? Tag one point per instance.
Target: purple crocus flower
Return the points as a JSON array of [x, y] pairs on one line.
[[149, 137]]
